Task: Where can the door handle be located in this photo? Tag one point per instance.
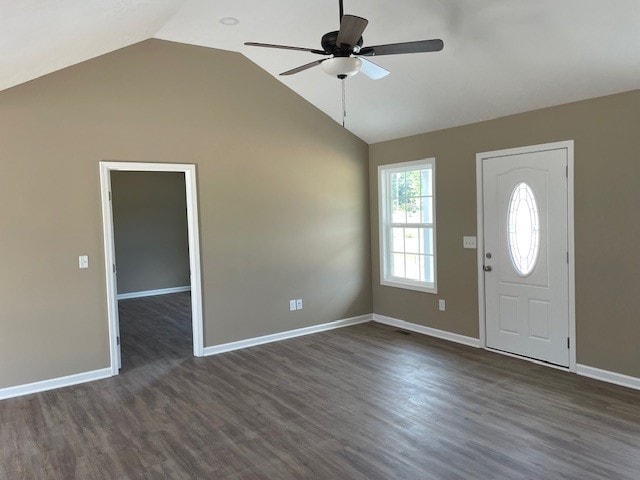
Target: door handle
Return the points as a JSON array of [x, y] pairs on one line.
[[486, 268]]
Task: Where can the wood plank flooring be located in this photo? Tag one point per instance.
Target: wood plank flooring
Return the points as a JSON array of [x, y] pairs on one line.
[[155, 331], [363, 402]]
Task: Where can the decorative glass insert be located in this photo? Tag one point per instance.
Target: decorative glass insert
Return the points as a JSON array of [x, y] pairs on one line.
[[523, 225], [407, 225]]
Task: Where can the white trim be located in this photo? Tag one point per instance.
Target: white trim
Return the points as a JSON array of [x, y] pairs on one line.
[[153, 293], [384, 214], [189, 171], [572, 255], [568, 145], [44, 385], [480, 250], [409, 284], [109, 253], [276, 337], [608, 376], [432, 332]]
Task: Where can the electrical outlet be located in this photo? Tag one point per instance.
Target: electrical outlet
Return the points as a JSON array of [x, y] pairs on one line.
[[299, 304], [441, 305], [292, 305], [469, 242]]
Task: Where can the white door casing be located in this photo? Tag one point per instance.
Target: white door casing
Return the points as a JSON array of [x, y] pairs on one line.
[[112, 274], [527, 313], [109, 246]]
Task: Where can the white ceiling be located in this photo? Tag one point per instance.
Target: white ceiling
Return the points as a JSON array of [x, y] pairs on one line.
[[500, 57]]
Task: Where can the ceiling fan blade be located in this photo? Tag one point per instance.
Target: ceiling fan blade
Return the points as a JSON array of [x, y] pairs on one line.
[[286, 47], [351, 28], [371, 70], [407, 47], [303, 67]]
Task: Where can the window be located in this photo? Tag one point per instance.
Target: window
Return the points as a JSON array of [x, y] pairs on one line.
[[407, 225]]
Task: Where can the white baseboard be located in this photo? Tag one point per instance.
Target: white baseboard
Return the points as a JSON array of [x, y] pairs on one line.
[[433, 332], [608, 376], [153, 293], [275, 337], [53, 383]]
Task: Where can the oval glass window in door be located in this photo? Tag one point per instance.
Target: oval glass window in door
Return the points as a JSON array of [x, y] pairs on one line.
[[523, 224]]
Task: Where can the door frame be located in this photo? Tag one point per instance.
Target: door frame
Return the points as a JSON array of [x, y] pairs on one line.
[[189, 170], [480, 157]]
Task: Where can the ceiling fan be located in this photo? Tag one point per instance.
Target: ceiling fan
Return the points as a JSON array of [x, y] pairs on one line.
[[346, 54]]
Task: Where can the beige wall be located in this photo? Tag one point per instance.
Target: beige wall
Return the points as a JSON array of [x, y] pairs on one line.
[[283, 200], [284, 206], [607, 221], [150, 230]]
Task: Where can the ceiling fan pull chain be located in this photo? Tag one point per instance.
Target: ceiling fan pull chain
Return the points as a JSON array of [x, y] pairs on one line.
[[344, 102]]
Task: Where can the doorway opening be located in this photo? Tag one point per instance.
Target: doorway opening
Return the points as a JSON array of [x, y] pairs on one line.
[[526, 266], [147, 283]]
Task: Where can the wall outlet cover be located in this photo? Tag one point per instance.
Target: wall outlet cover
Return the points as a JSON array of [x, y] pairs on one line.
[[292, 305]]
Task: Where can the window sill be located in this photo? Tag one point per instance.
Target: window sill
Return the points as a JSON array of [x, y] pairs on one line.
[[409, 286]]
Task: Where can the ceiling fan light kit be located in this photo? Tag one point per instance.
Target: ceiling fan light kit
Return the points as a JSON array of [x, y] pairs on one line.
[[342, 67]]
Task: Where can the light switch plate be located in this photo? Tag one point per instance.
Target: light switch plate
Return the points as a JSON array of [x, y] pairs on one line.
[[469, 242], [441, 305], [83, 261], [292, 305]]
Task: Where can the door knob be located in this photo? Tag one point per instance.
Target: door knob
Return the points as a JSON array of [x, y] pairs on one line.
[[487, 268]]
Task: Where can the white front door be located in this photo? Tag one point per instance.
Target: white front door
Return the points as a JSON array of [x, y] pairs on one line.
[[526, 274]]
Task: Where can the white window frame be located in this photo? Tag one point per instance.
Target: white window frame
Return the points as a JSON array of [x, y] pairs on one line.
[[385, 225]]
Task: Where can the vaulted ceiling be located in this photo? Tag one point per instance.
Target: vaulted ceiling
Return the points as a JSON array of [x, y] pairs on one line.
[[500, 57]]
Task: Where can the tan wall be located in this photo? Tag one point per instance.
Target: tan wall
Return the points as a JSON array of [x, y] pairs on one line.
[[283, 198], [150, 230], [607, 221]]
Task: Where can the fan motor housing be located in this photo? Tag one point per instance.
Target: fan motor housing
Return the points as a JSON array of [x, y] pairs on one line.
[[328, 43]]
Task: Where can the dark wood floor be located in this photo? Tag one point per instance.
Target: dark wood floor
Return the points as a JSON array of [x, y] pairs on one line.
[[363, 402], [155, 332]]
